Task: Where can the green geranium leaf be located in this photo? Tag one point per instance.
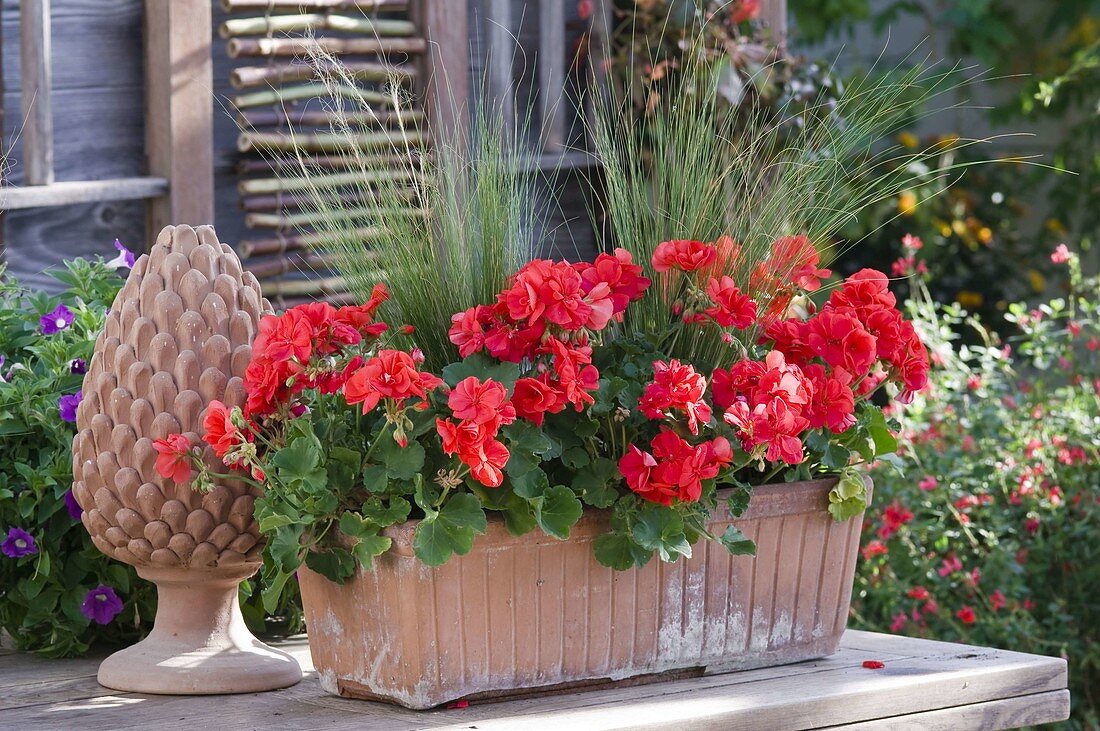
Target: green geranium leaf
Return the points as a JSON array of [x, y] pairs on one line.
[[450, 531], [531, 484], [484, 368], [575, 457], [523, 436], [594, 482], [285, 546], [368, 548], [661, 529], [736, 542], [557, 511], [849, 497], [384, 514], [375, 478], [335, 564], [401, 463], [738, 501], [885, 441], [297, 464], [618, 552]]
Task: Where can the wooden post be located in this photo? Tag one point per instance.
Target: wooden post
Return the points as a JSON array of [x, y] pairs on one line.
[[501, 50], [551, 64], [774, 14], [179, 111], [444, 78], [34, 54]]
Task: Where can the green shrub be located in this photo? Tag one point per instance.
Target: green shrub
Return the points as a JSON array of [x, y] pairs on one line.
[[990, 534]]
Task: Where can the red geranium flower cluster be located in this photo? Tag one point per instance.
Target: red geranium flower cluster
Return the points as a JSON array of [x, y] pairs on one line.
[[861, 338], [290, 349], [391, 375], [719, 299], [676, 469], [794, 263], [767, 403], [676, 387], [482, 408], [545, 316]]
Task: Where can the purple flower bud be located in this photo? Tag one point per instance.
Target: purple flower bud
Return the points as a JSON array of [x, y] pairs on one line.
[[75, 511], [56, 321], [18, 544], [67, 406], [78, 366], [101, 604]]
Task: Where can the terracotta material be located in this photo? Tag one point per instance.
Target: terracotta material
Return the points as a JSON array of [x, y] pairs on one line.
[[178, 335], [517, 614]]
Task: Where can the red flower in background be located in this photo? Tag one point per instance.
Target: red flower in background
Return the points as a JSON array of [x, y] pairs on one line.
[[743, 10], [174, 458], [795, 259], [683, 254], [967, 615]]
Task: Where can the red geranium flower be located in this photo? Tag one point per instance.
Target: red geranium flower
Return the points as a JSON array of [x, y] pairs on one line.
[[476, 447], [534, 398], [284, 337], [841, 341], [390, 374], [967, 615], [621, 275], [676, 386], [174, 458], [685, 255], [221, 433], [731, 307], [481, 402]]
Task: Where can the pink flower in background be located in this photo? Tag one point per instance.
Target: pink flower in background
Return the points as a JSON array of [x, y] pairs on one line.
[[928, 483], [1061, 254]]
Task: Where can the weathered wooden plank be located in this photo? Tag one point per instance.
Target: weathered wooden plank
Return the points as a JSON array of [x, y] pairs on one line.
[[179, 111], [500, 58], [312, 22], [236, 6], [1026, 710], [961, 688], [335, 46], [444, 78], [774, 15], [551, 65], [34, 47], [82, 191]]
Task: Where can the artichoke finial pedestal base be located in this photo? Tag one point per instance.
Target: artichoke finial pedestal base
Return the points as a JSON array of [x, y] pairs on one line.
[[199, 644]]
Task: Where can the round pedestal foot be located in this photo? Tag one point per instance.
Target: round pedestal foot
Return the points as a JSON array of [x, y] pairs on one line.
[[199, 644]]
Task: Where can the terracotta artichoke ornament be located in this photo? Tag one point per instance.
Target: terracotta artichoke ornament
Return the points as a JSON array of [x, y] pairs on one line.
[[178, 335]]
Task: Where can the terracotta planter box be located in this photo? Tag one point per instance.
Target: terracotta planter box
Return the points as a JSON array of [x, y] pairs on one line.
[[517, 615]]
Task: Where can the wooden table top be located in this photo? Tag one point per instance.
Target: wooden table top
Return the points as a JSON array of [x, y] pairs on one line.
[[924, 684]]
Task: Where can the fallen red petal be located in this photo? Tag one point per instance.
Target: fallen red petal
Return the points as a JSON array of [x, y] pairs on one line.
[[873, 664], [459, 704]]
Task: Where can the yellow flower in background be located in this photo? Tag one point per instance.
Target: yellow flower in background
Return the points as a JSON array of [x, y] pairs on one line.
[[908, 139], [1037, 281], [958, 227], [907, 202], [985, 235], [1056, 227], [969, 300], [945, 230]]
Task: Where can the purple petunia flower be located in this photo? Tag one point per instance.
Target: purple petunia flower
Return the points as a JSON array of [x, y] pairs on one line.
[[101, 604], [78, 366], [75, 511], [18, 544], [125, 257], [67, 405], [56, 321]]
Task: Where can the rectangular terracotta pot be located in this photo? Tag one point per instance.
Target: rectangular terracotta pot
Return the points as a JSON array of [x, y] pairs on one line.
[[517, 615]]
